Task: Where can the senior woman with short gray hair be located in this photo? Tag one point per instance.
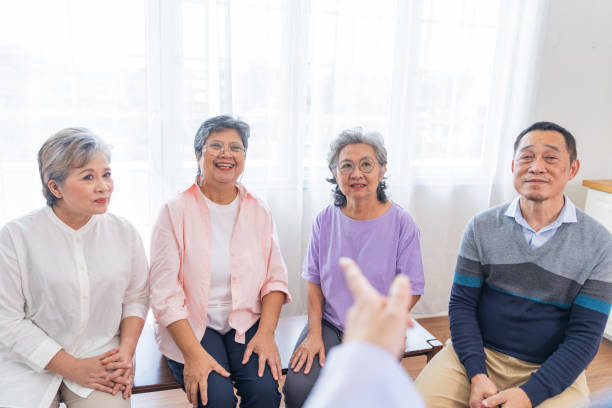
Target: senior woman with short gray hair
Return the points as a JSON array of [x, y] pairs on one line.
[[218, 279], [73, 286], [361, 224]]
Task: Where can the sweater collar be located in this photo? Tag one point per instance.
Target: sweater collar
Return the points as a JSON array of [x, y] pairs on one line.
[[567, 214]]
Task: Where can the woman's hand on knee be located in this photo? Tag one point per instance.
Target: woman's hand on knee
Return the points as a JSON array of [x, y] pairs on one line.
[[195, 375], [306, 352], [264, 345]]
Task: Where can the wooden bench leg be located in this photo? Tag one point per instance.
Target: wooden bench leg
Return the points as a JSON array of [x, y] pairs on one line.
[[436, 346]]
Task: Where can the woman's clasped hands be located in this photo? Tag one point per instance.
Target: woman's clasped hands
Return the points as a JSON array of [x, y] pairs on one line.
[[110, 372]]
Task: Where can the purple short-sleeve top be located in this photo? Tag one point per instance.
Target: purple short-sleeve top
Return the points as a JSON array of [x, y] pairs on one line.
[[383, 247]]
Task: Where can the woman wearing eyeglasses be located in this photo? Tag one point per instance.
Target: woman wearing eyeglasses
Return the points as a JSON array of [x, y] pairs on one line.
[[218, 279], [364, 225]]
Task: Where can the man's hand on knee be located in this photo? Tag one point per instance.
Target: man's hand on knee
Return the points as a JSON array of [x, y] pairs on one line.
[[482, 388], [510, 398]]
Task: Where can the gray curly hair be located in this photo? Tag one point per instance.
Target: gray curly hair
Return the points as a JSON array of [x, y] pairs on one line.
[[354, 136]]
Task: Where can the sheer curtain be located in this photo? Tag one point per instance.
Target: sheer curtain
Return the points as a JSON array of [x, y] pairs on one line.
[[446, 82]]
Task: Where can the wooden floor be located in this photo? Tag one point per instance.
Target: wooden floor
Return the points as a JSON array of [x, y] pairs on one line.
[[599, 373]]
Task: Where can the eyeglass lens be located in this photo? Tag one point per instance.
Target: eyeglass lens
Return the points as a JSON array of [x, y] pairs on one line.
[[217, 148], [365, 166]]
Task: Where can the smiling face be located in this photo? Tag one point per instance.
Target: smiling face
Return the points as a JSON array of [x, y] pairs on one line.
[[222, 166], [542, 167], [357, 184], [86, 190]]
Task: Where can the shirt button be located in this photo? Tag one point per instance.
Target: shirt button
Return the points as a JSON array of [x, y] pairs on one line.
[[82, 267], [78, 240]]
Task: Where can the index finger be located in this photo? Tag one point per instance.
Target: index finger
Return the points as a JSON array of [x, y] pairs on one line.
[[495, 400], [101, 387], [108, 353], [399, 294], [203, 393], [247, 353], [357, 283], [273, 364], [114, 374]]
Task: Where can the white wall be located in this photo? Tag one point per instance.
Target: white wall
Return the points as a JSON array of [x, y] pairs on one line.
[[574, 85]]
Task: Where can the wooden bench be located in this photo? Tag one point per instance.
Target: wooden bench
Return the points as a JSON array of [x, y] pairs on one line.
[[153, 374]]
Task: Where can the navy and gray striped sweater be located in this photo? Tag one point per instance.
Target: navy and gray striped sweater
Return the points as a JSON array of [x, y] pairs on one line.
[[547, 305]]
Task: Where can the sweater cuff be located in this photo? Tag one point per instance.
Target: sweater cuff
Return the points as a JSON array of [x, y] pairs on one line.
[[536, 391], [475, 365]]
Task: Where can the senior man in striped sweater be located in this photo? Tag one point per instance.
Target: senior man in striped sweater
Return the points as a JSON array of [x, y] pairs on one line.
[[531, 293]]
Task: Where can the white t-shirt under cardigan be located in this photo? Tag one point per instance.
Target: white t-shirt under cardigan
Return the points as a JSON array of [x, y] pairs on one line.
[[63, 289], [222, 220]]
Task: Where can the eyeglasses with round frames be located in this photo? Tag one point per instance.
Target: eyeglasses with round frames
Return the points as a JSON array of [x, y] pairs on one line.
[[348, 167], [217, 148]]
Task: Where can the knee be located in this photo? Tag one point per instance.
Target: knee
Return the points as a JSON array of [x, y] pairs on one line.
[[261, 393], [268, 389], [297, 387], [220, 392], [220, 398]]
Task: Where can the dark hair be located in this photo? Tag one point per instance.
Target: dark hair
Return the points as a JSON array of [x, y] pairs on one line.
[[217, 124], [570, 141], [354, 136]]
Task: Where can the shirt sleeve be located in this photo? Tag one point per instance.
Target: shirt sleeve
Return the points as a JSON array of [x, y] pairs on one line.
[[409, 259], [167, 294], [136, 298], [26, 341], [359, 374], [462, 311], [276, 275], [310, 268], [587, 321]]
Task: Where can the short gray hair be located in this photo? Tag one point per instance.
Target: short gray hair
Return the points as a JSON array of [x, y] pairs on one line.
[[354, 136], [67, 149], [218, 124]]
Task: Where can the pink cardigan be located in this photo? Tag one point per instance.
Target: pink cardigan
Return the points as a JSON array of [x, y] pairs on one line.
[[180, 265]]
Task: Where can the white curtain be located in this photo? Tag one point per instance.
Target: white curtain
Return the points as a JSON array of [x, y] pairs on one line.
[[446, 82]]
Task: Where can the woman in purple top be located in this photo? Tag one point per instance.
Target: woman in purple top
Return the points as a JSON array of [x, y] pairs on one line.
[[364, 225]]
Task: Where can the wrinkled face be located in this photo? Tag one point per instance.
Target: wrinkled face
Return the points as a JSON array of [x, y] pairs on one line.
[[541, 166], [222, 158], [358, 172], [87, 190]]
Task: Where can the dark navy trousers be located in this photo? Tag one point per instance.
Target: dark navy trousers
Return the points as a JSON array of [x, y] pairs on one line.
[[255, 392]]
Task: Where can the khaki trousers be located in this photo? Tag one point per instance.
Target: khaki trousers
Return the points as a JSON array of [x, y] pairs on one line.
[[443, 382], [97, 399]]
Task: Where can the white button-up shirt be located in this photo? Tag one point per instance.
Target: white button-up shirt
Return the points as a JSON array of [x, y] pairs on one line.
[[539, 238], [63, 289]]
